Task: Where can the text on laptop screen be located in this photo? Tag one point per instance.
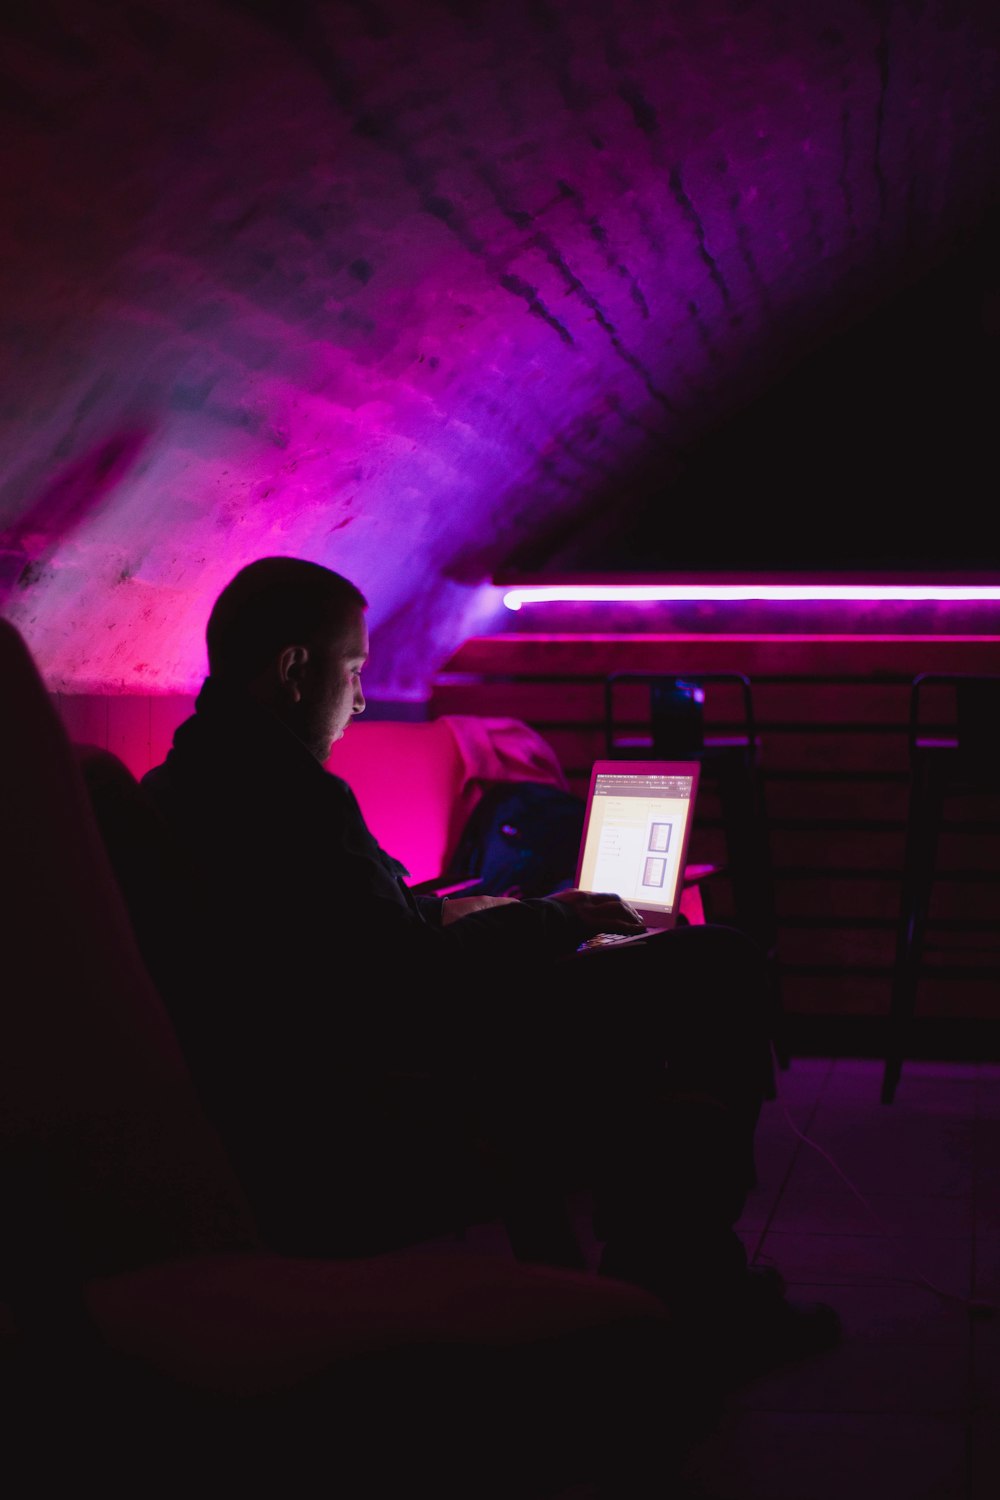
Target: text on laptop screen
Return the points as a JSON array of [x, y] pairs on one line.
[[635, 837]]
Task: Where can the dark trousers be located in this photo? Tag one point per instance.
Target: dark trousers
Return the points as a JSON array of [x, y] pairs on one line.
[[633, 1072], [637, 1071]]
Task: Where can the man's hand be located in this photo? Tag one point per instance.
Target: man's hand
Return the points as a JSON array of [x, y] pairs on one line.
[[460, 906], [602, 911]]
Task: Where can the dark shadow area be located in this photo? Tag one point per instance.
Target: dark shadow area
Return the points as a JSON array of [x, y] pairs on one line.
[[883, 417]]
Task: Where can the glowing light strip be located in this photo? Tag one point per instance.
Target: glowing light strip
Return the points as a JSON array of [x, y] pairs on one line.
[[654, 593]]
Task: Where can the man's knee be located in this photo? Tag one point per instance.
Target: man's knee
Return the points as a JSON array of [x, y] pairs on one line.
[[723, 955]]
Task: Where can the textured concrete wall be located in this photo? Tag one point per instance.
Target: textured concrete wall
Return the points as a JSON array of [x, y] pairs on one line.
[[421, 289]]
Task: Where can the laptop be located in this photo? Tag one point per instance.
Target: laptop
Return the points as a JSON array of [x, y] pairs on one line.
[[636, 832]]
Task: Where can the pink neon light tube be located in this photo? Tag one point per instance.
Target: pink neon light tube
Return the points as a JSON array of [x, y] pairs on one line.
[[639, 593]]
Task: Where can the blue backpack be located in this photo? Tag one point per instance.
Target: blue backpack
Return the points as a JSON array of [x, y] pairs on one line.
[[522, 839]]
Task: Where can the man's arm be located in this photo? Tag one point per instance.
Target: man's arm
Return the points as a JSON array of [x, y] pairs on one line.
[[602, 911], [454, 907]]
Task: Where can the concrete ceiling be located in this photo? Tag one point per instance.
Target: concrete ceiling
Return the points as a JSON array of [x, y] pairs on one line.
[[433, 291]]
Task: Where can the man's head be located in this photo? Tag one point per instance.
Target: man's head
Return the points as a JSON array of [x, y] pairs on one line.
[[292, 634]]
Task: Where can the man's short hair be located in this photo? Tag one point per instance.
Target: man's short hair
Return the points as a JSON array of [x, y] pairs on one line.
[[273, 603]]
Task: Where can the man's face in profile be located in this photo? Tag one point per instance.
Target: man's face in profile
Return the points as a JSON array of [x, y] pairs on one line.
[[331, 687]]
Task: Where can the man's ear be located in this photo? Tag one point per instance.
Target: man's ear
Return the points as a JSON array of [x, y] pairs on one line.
[[292, 665]]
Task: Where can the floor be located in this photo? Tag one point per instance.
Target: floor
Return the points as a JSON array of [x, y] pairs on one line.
[[892, 1214]]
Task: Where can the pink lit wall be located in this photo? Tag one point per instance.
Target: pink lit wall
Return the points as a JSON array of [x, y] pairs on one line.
[[431, 291], [413, 815]]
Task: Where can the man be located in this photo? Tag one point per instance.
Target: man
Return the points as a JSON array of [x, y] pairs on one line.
[[365, 1049]]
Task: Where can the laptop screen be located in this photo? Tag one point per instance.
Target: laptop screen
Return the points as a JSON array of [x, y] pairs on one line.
[[636, 833]]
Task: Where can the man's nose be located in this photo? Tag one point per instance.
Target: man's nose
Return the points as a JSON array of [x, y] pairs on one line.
[[358, 706]]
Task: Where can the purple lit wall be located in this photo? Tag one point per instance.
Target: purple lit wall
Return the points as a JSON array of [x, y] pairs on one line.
[[430, 292]]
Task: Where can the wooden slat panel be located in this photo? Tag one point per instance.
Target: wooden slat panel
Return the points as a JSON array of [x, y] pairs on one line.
[[971, 900], [165, 714], [954, 994], [968, 945], [774, 656], [843, 947], [855, 897], [819, 748], [815, 747], [816, 751], [576, 749], [821, 800], [827, 897], [840, 994], [874, 947], [863, 701], [852, 994], [85, 717], [136, 727], [781, 702], [978, 850], [128, 731], [879, 850], [794, 849], [538, 699], [537, 702]]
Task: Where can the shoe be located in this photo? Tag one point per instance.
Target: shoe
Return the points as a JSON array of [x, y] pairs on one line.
[[728, 1343], [754, 1285], [775, 1332], [765, 1281]]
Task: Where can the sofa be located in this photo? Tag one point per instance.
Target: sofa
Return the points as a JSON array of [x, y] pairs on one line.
[[149, 1343]]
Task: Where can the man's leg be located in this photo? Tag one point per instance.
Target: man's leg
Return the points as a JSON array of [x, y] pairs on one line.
[[643, 1066], [679, 1024]]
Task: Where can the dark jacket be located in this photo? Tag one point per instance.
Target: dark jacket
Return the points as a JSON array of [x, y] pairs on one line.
[[312, 971], [279, 839]]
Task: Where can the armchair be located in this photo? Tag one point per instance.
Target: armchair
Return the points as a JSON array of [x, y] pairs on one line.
[[149, 1343]]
